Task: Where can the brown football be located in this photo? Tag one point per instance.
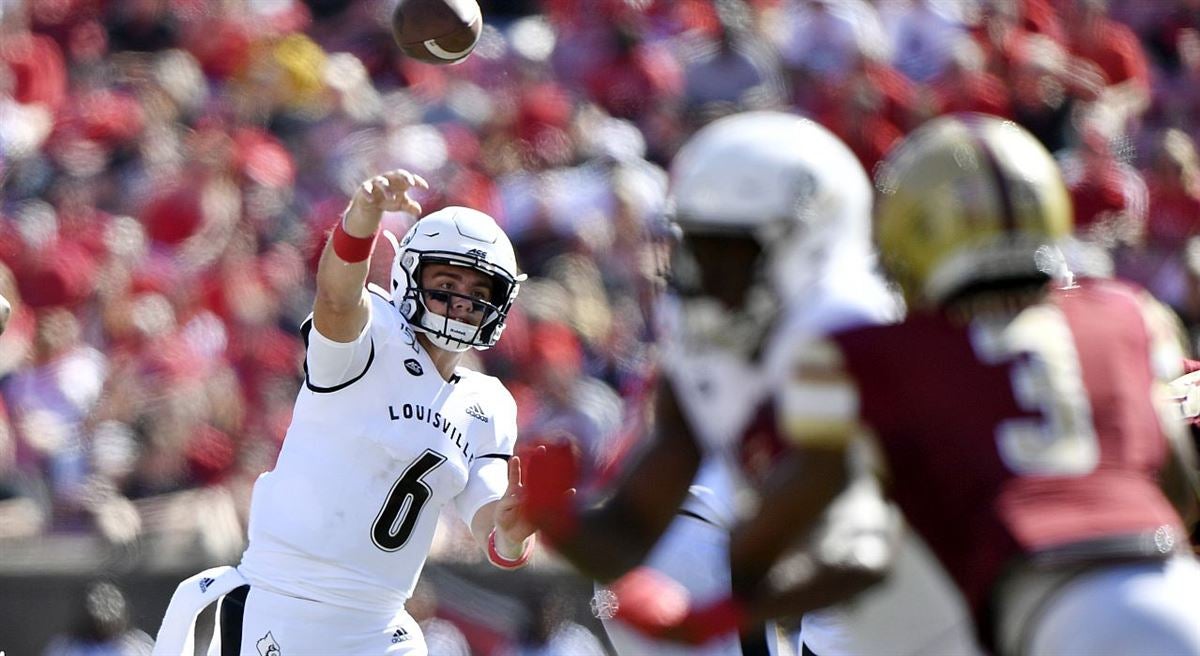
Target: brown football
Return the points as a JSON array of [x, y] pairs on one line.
[[437, 31]]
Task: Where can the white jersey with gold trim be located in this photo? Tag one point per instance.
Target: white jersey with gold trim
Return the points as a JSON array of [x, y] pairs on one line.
[[348, 514]]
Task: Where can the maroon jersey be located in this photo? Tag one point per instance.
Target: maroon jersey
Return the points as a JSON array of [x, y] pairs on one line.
[[1007, 436]]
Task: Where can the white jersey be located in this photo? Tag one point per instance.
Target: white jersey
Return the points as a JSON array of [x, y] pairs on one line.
[[719, 388], [348, 514]]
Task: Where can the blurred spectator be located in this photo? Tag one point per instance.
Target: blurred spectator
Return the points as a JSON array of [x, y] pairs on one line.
[[1174, 191], [24, 506], [730, 70], [925, 35], [1160, 262], [636, 78], [34, 62], [1001, 28], [966, 86], [1177, 91], [1108, 196], [1047, 86], [101, 627], [1165, 27], [872, 108], [566, 400], [1115, 50], [141, 25], [51, 400], [823, 39]]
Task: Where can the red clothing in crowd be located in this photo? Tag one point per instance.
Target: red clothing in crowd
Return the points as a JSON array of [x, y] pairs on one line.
[[1115, 49], [632, 82], [1097, 195], [972, 92], [39, 73], [1174, 214]]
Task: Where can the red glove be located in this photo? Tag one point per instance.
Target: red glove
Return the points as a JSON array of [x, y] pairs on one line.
[[658, 606], [550, 470]]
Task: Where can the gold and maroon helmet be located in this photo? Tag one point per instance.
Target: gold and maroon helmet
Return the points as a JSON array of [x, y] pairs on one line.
[[969, 200]]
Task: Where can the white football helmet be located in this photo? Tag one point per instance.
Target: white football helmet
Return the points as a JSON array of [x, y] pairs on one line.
[[784, 180], [464, 237]]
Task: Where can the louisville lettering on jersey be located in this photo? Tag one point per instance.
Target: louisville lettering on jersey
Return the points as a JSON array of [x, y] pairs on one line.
[[428, 415]]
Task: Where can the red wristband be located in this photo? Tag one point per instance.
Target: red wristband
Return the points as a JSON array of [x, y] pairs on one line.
[[350, 248], [506, 563]]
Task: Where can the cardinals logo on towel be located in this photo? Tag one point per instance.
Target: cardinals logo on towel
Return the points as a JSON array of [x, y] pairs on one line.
[[267, 646]]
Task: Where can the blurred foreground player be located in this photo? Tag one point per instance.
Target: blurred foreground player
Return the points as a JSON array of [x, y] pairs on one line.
[[387, 430], [1019, 413], [775, 220]]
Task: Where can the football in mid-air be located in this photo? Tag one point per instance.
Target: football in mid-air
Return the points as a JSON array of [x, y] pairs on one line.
[[437, 31]]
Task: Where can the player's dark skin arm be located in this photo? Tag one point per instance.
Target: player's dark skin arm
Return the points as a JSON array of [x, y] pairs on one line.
[[799, 490], [615, 535]]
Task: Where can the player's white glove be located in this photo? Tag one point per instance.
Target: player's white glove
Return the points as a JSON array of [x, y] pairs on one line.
[[1185, 392]]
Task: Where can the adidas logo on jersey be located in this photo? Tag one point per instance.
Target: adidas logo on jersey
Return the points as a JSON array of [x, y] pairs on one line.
[[400, 636], [477, 412], [413, 367], [204, 583]]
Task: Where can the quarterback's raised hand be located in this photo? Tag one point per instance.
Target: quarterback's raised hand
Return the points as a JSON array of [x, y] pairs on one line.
[[386, 192], [340, 306]]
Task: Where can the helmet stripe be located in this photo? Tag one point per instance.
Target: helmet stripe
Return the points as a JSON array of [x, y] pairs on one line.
[[999, 177]]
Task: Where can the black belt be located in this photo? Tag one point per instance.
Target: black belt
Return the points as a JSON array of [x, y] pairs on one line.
[[1158, 544], [688, 513]]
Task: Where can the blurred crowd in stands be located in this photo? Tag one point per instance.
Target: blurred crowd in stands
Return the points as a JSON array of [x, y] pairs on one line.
[[170, 168]]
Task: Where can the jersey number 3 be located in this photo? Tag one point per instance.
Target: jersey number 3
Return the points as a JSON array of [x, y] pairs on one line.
[[398, 516], [1047, 379]]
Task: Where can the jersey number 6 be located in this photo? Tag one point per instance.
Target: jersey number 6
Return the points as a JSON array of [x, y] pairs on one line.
[[398, 516]]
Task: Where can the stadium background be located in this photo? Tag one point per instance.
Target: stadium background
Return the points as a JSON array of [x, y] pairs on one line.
[[168, 169]]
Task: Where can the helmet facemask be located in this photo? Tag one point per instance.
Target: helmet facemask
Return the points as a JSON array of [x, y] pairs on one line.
[[722, 280], [410, 296]]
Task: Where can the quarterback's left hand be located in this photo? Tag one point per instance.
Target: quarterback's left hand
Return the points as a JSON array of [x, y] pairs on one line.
[[511, 528]]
